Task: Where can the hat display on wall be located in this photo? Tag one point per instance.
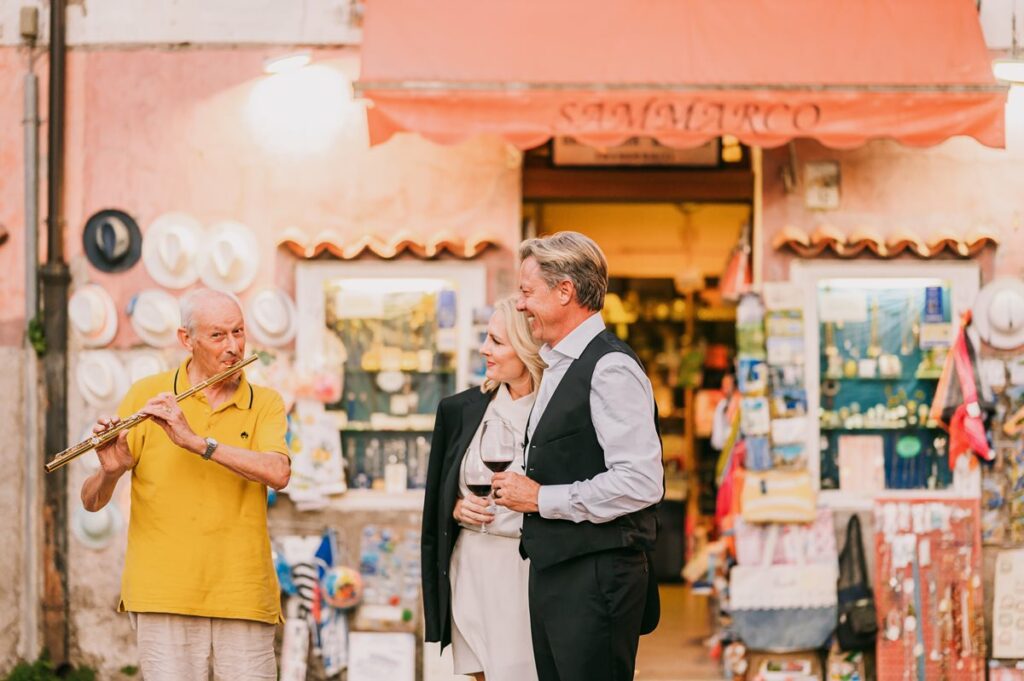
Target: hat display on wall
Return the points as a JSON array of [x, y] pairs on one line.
[[93, 315], [155, 316], [112, 241], [170, 252], [144, 364], [230, 257], [998, 313], [101, 378], [271, 317], [97, 530]]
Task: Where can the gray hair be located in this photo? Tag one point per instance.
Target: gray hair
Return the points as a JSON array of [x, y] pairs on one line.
[[574, 257], [194, 298]]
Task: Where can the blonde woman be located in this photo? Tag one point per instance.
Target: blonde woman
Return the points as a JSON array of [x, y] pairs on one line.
[[474, 580]]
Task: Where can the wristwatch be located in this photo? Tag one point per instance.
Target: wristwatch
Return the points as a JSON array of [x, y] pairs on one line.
[[211, 446]]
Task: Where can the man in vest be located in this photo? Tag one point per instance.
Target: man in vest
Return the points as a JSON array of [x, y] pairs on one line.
[[593, 473]]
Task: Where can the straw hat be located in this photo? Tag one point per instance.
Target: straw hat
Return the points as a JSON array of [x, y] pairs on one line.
[[231, 257], [998, 313], [93, 315], [155, 317], [271, 317], [145, 363], [112, 241], [169, 253], [101, 378], [97, 530]]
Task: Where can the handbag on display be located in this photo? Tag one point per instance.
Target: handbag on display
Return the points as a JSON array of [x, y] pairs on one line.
[[783, 607], [778, 496], [857, 627]]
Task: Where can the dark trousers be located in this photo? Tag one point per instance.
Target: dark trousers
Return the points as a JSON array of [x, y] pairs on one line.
[[585, 616]]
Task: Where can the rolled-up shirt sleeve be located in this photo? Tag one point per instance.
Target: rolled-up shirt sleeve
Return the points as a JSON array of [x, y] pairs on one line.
[[622, 409]]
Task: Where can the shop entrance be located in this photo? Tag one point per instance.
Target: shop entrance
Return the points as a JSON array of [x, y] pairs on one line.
[[668, 234]]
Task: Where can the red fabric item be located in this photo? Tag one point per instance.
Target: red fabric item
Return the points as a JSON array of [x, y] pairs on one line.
[[682, 71], [967, 427]]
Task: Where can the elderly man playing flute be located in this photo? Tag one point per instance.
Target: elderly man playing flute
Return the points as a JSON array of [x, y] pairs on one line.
[[198, 583]]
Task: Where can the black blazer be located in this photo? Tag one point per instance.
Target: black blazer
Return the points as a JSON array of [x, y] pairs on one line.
[[458, 417]]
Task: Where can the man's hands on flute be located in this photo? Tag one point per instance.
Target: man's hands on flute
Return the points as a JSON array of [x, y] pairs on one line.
[[115, 457], [166, 413]]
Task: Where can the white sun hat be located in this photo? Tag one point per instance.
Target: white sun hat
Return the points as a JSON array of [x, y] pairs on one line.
[[93, 315], [155, 316], [101, 378], [230, 258], [271, 317], [97, 530], [145, 363], [998, 313], [170, 250]]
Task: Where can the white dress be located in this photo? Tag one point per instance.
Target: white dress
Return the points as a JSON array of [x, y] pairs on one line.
[[490, 580]]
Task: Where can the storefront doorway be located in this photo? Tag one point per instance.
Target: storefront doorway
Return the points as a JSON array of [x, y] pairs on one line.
[[668, 234]]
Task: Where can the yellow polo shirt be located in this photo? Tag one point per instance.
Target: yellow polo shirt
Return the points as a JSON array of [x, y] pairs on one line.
[[197, 536]]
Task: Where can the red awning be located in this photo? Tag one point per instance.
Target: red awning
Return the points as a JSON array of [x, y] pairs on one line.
[[683, 71]]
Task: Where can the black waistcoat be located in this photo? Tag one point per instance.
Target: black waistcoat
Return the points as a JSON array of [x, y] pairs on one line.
[[565, 449]]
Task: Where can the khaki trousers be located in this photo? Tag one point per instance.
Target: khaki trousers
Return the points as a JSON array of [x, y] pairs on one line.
[[185, 648]]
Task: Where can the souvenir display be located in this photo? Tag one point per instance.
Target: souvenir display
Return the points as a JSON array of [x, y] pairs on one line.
[[845, 666], [101, 378], [271, 318], [170, 252], [389, 562], [230, 257], [112, 241], [318, 468], [881, 352], [155, 317], [999, 670], [857, 629], [1008, 606], [928, 589], [400, 361], [93, 315]]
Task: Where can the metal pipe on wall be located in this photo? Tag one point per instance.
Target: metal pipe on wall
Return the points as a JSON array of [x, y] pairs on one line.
[[56, 279], [29, 643]]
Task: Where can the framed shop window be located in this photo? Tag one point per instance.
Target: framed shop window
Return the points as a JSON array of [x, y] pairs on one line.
[[394, 339], [877, 336]]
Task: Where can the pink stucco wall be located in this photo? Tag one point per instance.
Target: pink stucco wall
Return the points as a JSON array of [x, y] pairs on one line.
[[956, 187], [151, 131]]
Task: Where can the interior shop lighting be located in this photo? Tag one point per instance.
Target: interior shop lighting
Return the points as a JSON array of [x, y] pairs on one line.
[[286, 62]]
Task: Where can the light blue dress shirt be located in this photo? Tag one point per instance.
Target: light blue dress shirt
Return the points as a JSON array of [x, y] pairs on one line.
[[622, 409]]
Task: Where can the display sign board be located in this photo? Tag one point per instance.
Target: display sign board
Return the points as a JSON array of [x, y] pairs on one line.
[[635, 151]]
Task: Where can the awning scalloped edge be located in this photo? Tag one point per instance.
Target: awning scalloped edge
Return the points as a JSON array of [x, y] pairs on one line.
[[828, 240], [301, 245]]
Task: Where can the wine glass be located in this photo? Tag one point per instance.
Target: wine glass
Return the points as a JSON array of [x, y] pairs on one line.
[[497, 446], [478, 480]]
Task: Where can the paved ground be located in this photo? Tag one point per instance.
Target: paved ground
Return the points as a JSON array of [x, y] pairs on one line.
[[676, 651]]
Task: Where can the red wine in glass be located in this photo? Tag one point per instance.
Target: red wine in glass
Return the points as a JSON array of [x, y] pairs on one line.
[[497, 466], [480, 490]]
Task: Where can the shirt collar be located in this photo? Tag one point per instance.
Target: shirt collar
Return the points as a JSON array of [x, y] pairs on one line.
[[573, 345], [243, 397]]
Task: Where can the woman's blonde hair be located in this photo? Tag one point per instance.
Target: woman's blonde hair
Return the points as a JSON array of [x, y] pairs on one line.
[[519, 337]]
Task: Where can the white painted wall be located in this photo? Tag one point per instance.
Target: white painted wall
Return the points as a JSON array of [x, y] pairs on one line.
[[223, 22], [996, 22]]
